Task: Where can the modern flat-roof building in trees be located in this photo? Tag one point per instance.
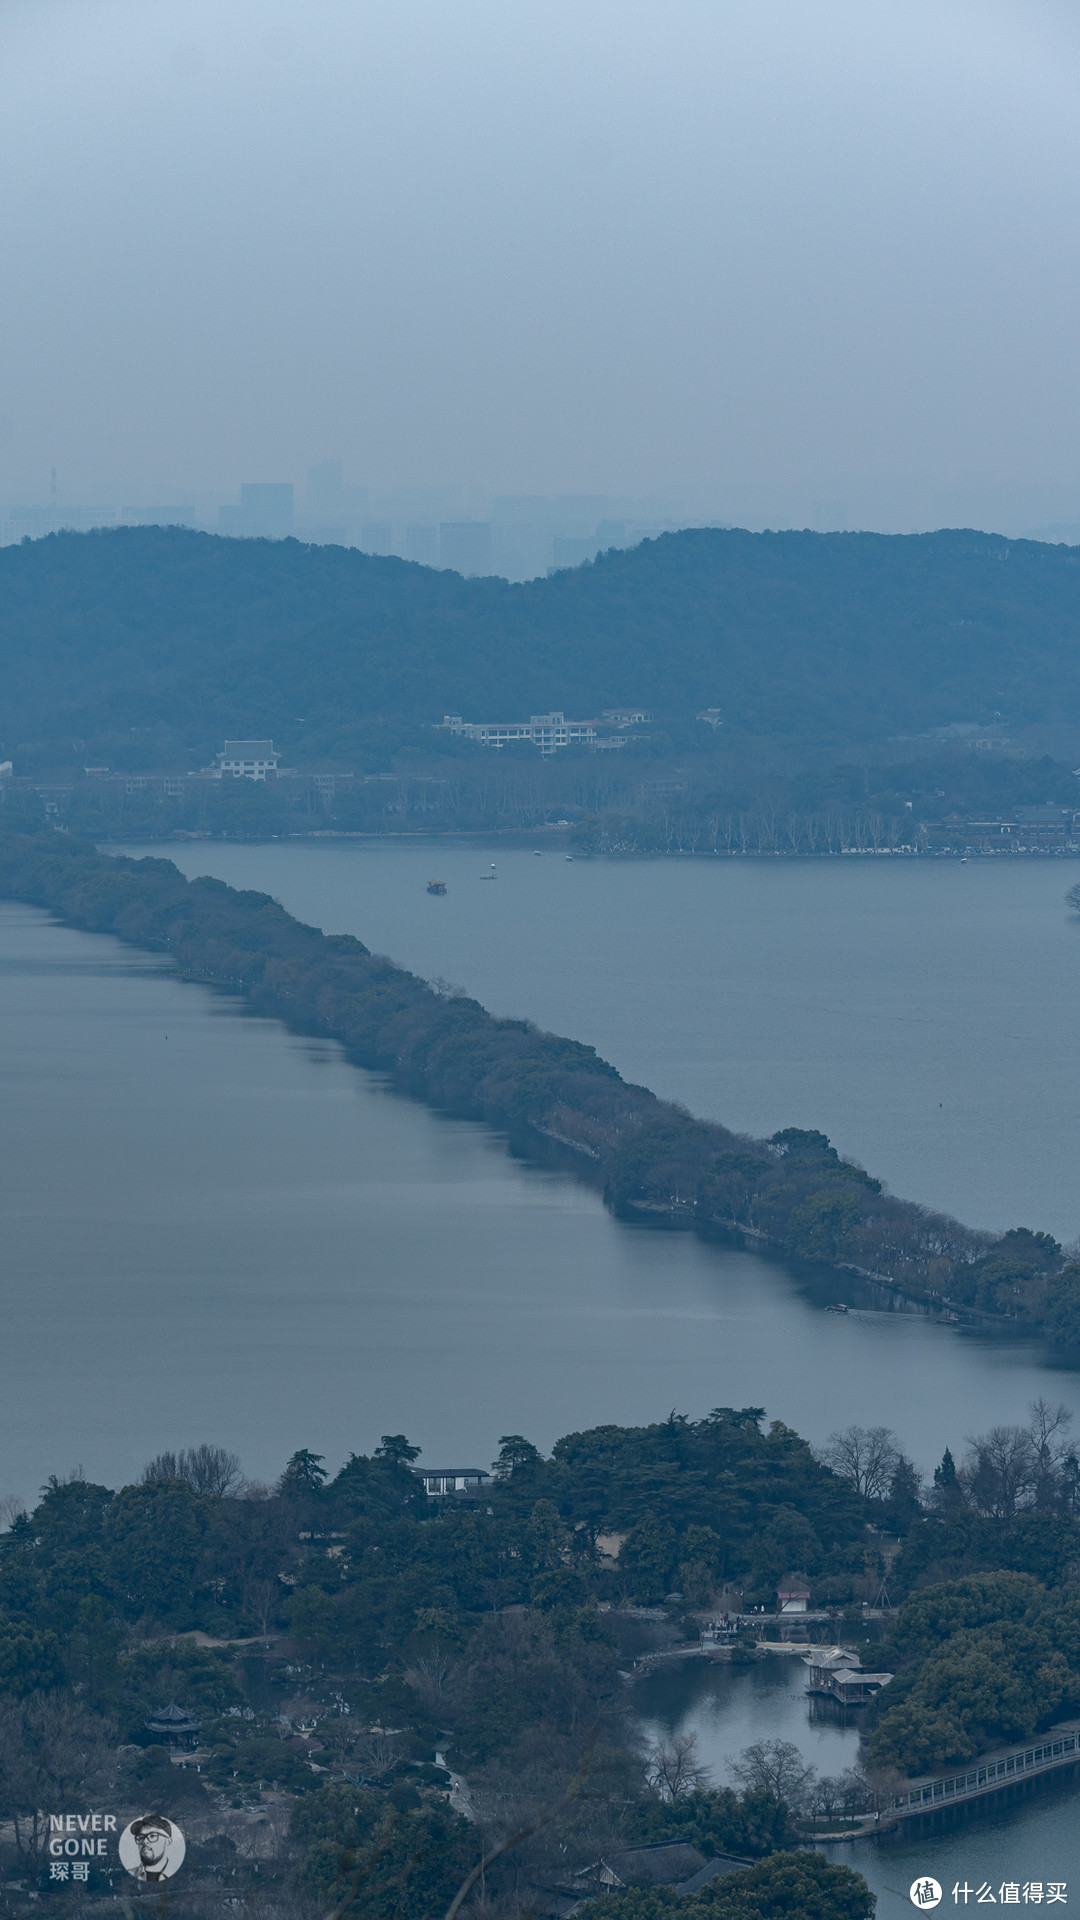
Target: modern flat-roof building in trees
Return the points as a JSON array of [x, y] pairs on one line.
[[442, 1480], [548, 731]]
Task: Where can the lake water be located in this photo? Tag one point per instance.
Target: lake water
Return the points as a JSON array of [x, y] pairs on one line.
[[923, 1013], [216, 1230], [728, 1708]]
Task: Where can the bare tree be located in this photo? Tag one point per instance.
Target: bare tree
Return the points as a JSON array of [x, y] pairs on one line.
[[866, 1456], [52, 1751], [511, 1841], [856, 1793], [206, 1470], [427, 1677], [164, 1466], [377, 1753], [213, 1471], [848, 1792], [778, 1767], [1000, 1473], [824, 1797], [261, 1596], [10, 1509], [674, 1767], [1053, 1447], [1011, 1469]]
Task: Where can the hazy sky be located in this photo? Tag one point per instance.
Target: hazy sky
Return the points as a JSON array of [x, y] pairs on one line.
[[770, 259]]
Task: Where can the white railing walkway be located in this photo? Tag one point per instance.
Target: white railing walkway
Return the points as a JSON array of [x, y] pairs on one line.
[[1058, 1747]]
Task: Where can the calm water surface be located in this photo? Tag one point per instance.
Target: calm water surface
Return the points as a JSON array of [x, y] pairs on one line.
[[216, 1230], [730, 1707], [925, 1014]]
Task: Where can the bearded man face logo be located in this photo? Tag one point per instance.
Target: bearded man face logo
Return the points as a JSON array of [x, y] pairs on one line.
[[152, 1848]]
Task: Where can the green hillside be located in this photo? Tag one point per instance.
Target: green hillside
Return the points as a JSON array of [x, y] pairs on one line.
[[174, 638]]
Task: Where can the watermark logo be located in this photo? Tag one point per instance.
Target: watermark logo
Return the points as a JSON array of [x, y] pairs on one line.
[[152, 1848], [925, 1893], [80, 1835]]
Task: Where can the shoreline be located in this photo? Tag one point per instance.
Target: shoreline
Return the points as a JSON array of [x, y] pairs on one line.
[[791, 1197], [561, 835]]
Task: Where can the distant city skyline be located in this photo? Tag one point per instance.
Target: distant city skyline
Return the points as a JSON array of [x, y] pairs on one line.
[[519, 536], [765, 263], [477, 531]]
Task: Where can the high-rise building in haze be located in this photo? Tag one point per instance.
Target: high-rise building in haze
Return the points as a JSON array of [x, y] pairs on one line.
[[422, 544], [465, 546], [377, 537], [266, 508]]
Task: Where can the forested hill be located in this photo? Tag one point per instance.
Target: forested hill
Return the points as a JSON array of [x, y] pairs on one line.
[[187, 637]]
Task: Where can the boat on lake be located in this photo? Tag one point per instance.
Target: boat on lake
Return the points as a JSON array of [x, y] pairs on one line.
[[436, 886]]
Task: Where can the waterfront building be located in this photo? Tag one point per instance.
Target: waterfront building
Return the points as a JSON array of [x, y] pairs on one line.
[[840, 1675], [793, 1593]]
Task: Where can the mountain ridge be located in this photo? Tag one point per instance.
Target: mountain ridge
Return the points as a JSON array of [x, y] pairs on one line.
[[857, 635]]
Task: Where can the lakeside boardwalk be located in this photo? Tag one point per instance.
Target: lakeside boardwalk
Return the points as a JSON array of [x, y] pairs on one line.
[[1055, 1751]]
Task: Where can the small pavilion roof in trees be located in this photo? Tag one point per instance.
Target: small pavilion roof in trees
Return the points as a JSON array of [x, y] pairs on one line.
[[175, 1726]]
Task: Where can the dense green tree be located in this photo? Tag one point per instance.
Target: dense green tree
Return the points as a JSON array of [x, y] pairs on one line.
[[791, 1886], [984, 1660], [152, 1537], [151, 1674], [784, 1886], [303, 1476], [903, 1506], [929, 1617], [402, 1862], [1063, 1307], [716, 1819], [945, 1475], [648, 1557], [394, 1449], [516, 1455], [30, 1660]]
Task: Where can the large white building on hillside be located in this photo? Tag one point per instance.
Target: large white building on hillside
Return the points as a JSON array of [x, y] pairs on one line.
[[247, 760], [548, 731]]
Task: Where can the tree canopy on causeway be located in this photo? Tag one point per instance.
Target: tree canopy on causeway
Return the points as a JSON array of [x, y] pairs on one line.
[[792, 1192]]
